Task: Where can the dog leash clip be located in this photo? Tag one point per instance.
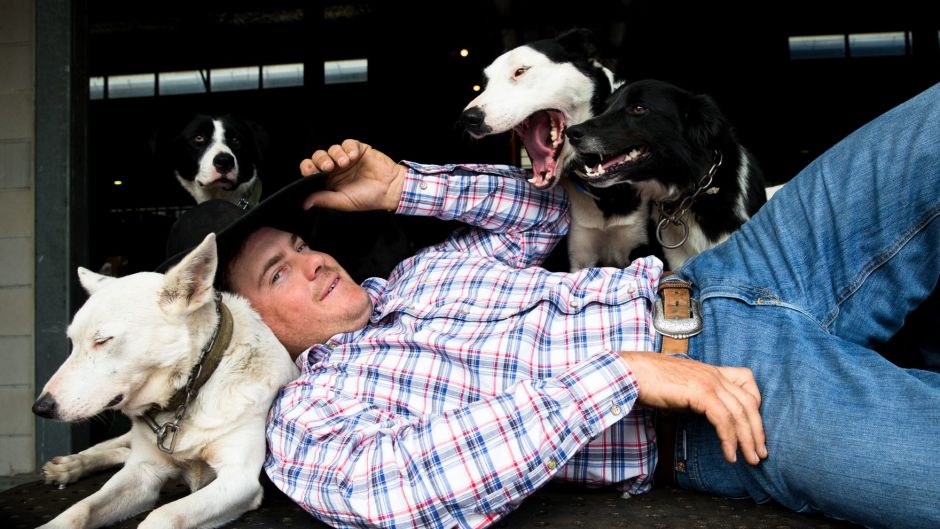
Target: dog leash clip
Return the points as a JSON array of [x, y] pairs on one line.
[[169, 429]]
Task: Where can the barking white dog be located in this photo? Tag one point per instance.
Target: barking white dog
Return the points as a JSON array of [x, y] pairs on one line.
[[196, 372], [538, 90]]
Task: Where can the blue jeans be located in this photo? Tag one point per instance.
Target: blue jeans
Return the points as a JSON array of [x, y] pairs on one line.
[[829, 267]]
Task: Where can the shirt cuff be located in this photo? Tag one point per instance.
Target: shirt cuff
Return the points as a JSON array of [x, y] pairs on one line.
[[604, 389]]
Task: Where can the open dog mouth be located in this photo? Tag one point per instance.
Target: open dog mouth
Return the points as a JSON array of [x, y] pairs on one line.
[[543, 135], [601, 167]]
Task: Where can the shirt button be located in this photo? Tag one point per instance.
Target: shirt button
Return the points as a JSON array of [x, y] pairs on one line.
[[573, 304], [552, 464], [423, 185], [615, 409], [631, 287], [411, 308]]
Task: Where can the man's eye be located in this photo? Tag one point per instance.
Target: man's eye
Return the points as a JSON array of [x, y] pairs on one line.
[[301, 247], [276, 277]]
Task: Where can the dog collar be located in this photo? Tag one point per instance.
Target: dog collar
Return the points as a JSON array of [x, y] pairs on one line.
[[583, 187], [251, 196], [209, 359], [675, 216]]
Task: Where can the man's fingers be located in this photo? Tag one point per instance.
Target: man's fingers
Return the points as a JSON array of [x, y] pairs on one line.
[[354, 148], [339, 155], [318, 162], [735, 414], [721, 419], [749, 396], [741, 410], [743, 378]]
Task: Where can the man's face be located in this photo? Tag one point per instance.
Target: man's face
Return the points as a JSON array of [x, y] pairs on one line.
[[304, 296]]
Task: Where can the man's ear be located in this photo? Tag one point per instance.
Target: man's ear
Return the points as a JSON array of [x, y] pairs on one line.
[[188, 285]]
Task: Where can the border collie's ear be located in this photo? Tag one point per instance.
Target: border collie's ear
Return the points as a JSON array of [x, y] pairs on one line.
[[704, 123], [580, 42]]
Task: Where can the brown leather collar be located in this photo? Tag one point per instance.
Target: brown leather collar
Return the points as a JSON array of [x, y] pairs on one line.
[[206, 364]]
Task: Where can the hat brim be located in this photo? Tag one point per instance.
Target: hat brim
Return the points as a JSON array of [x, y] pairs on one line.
[[282, 210]]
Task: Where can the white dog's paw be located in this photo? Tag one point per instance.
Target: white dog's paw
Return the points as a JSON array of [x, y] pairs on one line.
[[63, 470]]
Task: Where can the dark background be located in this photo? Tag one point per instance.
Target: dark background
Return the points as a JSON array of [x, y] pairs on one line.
[[786, 111]]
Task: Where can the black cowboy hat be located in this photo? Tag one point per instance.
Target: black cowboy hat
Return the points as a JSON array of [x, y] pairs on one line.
[[367, 244], [232, 224]]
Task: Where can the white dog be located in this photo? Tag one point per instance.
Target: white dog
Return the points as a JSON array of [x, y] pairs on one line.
[[196, 372], [538, 90]]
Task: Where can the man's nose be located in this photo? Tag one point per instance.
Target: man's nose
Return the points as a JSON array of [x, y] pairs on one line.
[[312, 264]]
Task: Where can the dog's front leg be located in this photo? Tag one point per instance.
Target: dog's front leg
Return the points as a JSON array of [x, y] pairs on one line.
[[237, 461], [132, 489], [68, 469]]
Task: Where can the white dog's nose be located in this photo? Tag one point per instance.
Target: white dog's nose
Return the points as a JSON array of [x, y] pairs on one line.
[[45, 406], [473, 119]]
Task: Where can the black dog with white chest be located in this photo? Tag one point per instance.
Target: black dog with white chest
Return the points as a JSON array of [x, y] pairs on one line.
[[220, 158], [677, 149]]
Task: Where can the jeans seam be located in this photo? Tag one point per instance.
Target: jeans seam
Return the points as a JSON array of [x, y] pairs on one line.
[[878, 261]]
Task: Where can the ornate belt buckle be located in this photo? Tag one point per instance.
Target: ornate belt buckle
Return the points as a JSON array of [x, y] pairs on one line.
[[677, 328], [680, 328]]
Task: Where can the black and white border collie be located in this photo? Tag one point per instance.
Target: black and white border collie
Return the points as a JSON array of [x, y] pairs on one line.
[[538, 90], [220, 158], [678, 149]]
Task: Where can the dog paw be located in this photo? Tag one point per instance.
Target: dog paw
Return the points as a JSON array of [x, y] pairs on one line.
[[63, 470]]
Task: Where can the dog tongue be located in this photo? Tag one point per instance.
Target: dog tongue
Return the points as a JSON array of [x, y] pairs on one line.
[[537, 140]]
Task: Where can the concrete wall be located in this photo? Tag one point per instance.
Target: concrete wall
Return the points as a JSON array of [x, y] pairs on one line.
[[17, 135]]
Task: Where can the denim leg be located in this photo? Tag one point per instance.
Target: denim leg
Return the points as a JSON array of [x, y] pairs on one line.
[[830, 266], [838, 241], [849, 434]]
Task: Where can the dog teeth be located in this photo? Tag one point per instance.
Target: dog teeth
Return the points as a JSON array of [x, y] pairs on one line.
[[594, 171]]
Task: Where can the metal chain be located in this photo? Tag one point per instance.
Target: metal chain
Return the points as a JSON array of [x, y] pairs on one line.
[[172, 427], [675, 218]]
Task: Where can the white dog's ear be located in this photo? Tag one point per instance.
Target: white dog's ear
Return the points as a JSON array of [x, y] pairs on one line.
[[188, 285], [92, 281]]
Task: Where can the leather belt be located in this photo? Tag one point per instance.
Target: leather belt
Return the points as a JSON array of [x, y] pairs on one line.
[[677, 317]]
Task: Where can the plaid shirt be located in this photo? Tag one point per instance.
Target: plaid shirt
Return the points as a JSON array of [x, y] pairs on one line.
[[479, 376]]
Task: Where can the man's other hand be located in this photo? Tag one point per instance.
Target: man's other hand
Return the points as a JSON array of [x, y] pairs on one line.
[[359, 178], [727, 396]]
